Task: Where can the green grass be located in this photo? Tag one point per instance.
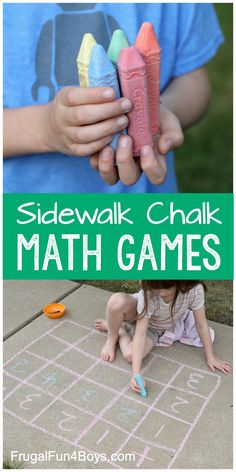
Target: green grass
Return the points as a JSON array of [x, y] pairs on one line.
[[7, 464], [204, 163], [219, 296]]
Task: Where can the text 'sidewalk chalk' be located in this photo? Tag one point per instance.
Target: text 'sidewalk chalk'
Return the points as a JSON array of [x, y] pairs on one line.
[[102, 73], [118, 42], [133, 81], [83, 58], [147, 44]]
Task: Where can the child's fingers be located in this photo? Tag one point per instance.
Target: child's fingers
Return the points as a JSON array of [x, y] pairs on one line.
[[88, 149], [94, 161], [73, 96], [106, 166], [88, 114], [171, 139], [155, 169], [128, 167], [91, 133], [136, 388], [171, 133]]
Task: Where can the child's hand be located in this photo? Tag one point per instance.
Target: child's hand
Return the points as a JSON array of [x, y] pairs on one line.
[[214, 364], [152, 161], [81, 121], [135, 386]]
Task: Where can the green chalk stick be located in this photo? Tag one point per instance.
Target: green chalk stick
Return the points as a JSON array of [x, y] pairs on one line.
[[118, 42]]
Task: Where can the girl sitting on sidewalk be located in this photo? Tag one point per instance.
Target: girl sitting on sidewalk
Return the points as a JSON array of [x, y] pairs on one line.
[[162, 312]]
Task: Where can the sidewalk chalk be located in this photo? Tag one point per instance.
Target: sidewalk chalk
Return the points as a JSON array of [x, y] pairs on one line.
[[102, 73], [148, 46], [139, 381], [83, 58], [133, 81], [118, 42]]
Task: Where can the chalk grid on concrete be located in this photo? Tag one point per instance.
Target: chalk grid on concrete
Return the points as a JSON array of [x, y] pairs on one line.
[[59, 372]]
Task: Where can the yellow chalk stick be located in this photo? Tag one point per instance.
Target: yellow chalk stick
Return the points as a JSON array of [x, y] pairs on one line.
[[83, 58]]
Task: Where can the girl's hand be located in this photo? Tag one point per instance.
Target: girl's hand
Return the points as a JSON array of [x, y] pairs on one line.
[[82, 121], [223, 366], [135, 386], [152, 161]]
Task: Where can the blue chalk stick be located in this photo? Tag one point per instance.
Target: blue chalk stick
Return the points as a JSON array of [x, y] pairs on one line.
[[102, 73], [139, 381]]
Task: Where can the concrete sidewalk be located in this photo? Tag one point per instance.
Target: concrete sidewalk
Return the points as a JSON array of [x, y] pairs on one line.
[[60, 396]]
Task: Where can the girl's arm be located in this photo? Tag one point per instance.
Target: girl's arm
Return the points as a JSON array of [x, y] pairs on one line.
[[138, 344], [188, 96], [204, 334]]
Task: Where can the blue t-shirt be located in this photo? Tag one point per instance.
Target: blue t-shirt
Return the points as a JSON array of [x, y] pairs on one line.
[[41, 43]]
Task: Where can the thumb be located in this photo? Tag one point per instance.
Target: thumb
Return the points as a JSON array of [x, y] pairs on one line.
[[170, 139]]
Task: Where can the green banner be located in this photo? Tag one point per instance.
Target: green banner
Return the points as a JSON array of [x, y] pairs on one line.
[[97, 236]]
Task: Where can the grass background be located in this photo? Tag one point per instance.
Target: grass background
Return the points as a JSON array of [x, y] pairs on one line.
[[205, 161]]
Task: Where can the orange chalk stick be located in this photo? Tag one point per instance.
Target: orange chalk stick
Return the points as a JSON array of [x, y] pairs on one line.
[[148, 46]]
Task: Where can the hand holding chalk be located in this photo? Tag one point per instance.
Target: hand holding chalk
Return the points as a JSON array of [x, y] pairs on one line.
[[82, 120], [140, 383], [138, 386], [152, 159]]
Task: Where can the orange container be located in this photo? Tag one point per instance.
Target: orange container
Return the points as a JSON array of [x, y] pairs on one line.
[[54, 310]]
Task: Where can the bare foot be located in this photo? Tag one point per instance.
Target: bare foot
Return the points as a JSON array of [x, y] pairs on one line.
[[100, 325], [109, 350]]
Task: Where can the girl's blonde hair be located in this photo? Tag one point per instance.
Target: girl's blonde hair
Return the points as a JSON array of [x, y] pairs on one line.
[[182, 286]]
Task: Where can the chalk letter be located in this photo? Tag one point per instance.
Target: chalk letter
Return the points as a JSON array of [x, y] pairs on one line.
[[147, 246], [89, 252], [70, 238], [211, 251], [34, 241], [131, 257], [52, 246], [190, 253], [178, 241], [155, 222]]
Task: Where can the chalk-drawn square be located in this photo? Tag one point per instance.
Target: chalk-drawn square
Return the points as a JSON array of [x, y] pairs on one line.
[[27, 402], [196, 381], [107, 374], [126, 414], [75, 361], [65, 421], [181, 405], [99, 438], [140, 455], [47, 347], [70, 332], [153, 389], [9, 384], [161, 369], [94, 344], [162, 430], [53, 380], [89, 396], [23, 365]]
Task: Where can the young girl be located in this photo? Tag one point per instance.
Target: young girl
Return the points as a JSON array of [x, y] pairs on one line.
[[162, 312]]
